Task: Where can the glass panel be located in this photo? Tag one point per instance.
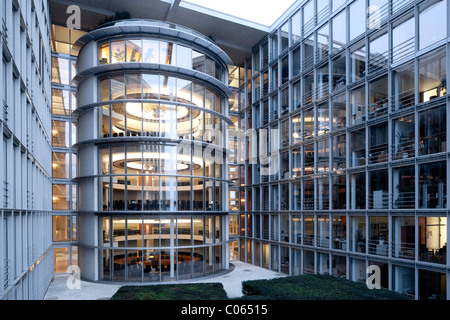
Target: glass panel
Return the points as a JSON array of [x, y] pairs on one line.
[[358, 191], [61, 259], [322, 89], [358, 234], [61, 197], [60, 71], [433, 239], [358, 148], [358, 105], [404, 137], [296, 26], [61, 102], [432, 76], [433, 185], [339, 111], [404, 238], [308, 17], [378, 189], [61, 228], [323, 194], [357, 63], [339, 73], [323, 39], [339, 192], [118, 120], [308, 159], [403, 87], [433, 131], [104, 89], [378, 143], [339, 25], [378, 235], [104, 54], [308, 195], [134, 51], [150, 51], [117, 52], [117, 87], [308, 230], [308, 53], [378, 56], [323, 156], [339, 264], [403, 38], [403, 187], [357, 18], [339, 232], [432, 22], [339, 152], [198, 61], [167, 53]]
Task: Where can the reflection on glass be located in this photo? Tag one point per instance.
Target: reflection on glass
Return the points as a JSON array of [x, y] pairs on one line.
[[432, 131], [339, 25], [134, 50], [432, 22], [432, 76], [433, 185], [117, 52], [357, 18]]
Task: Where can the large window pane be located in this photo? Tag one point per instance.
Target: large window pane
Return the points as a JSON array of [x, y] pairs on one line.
[[433, 185], [403, 87], [403, 187], [432, 76], [433, 131], [432, 22], [433, 239], [403, 137], [357, 18], [117, 52], [403, 38], [339, 25], [134, 51]]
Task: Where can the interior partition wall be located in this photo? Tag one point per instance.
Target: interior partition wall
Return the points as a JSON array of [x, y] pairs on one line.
[[152, 147]]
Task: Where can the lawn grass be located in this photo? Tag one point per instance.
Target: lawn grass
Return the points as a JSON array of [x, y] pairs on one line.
[[200, 291], [304, 287]]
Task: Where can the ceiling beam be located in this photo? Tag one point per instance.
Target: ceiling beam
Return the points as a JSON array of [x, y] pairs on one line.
[[172, 10]]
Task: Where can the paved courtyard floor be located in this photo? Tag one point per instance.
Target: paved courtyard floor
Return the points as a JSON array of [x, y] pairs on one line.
[[231, 281]]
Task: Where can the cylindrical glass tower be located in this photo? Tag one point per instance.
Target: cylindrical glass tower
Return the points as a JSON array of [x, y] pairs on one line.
[[152, 123]]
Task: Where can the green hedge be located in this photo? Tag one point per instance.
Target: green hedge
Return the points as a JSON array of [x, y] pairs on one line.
[[201, 291], [314, 287]]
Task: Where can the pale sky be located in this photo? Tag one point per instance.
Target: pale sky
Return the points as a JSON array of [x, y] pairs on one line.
[[261, 11]]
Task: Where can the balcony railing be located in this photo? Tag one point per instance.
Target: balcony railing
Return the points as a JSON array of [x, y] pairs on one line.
[[404, 200], [378, 247], [378, 62], [404, 250], [378, 154], [403, 149], [403, 50], [379, 108], [378, 199], [403, 100], [308, 239]]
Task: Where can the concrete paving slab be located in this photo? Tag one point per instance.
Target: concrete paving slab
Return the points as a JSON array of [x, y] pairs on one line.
[[231, 281]]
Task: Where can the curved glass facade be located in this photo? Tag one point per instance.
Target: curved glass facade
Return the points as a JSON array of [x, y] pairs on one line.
[[158, 105], [152, 177], [159, 52], [158, 189]]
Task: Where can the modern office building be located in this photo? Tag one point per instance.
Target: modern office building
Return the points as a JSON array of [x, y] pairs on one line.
[[147, 182]]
